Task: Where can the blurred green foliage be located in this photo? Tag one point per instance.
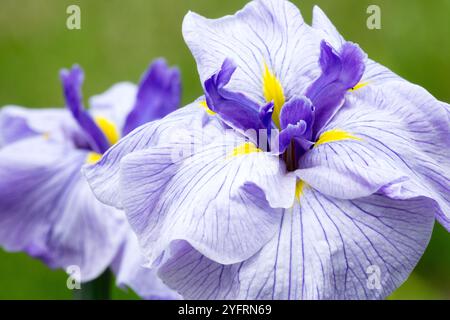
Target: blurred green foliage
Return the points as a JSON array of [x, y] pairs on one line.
[[118, 40]]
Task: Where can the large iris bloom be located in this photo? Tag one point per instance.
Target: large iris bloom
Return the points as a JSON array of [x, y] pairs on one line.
[[46, 206], [349, 192]]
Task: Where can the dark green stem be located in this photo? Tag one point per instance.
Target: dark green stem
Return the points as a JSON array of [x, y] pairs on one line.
[[98, 289]]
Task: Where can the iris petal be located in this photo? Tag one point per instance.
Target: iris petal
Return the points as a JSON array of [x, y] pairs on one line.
[[48, 210], [223, 205], [324, 249], [234, 108], [128, 267], [159, 94], [340, 72], [72, 81], [271, 32], [405, 137], [104, 176]]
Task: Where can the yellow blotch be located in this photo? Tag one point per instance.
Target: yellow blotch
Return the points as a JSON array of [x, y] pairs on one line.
[[93, 157], [109, 129], [273, 91], [359, 86], [335, 135], [299, 186], [204, 105], [243, 149]]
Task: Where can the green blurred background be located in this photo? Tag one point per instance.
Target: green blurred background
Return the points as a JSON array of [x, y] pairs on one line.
[[118, 40]]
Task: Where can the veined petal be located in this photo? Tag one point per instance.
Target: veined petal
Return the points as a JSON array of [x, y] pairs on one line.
[[329, 32], [130, 272], [103, 176], [222, 202], [404, 138], [268, 33], [375, 74], [48, 210], [159, 94], [324, 249]]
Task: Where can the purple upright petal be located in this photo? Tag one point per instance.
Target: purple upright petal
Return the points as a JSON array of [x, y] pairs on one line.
[[298, 108], [341, 71], [72, 81], [263, 32], [234, 108], [159, 94], [292, 131]]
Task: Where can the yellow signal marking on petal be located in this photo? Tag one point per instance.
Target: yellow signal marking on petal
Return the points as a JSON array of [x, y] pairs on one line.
[[204, 105], [299, 186], [243, 149], [93, 157], [46, 135], [273, 91], [109, 129], [359, 86], [335, 135]]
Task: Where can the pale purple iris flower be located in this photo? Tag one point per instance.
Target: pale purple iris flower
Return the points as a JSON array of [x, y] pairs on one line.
[[342, 209], [46, 206]]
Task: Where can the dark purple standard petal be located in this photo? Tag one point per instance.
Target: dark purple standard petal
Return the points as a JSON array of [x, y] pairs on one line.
[[296, 121], [292, 131], [340, 72], [72, 81], [159, 94], [234, 108], [298, 108]]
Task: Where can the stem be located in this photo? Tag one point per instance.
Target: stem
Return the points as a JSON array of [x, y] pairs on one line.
[[97, 289]]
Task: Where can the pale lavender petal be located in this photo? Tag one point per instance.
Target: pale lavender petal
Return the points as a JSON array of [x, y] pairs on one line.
[[48, 210], [324, 249], [17, 123], [223, 205], [328, 31], [103, 177], [130, 272], [264, 31], [404, 138]]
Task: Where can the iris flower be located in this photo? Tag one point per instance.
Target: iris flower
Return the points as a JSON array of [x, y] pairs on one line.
[[46, 206], [342, 206]]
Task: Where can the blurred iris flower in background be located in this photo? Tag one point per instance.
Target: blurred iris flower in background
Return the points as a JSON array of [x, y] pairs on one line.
[[47, 208]]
